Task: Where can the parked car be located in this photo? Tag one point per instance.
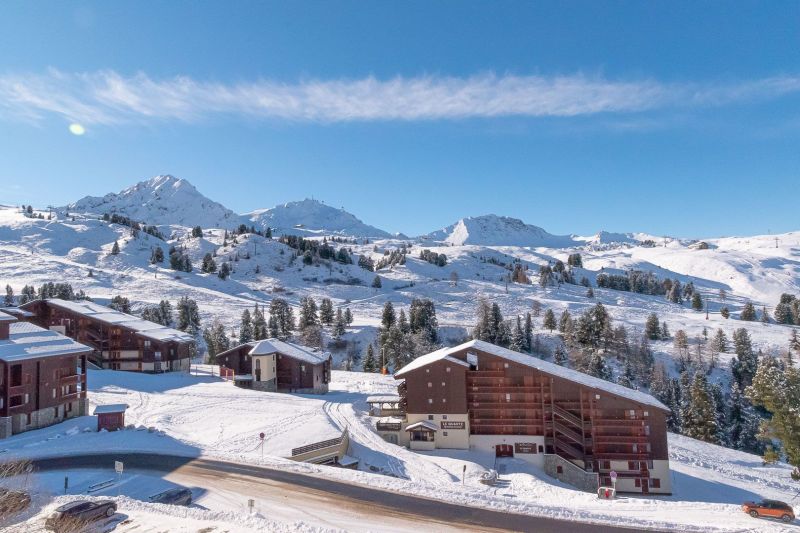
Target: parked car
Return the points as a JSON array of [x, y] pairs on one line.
[[74, 516], [13, 501], [769, 508], [177, 496]]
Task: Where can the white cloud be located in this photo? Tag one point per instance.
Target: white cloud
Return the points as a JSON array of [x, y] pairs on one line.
[[107, 97]]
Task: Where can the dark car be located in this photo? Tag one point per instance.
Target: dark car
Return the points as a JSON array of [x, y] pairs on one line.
[[769, 508], [177, 496], [13, 501], [74, 516]]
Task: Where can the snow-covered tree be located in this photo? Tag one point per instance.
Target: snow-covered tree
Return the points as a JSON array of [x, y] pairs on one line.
[[8, 301], [326, 314], [745, 365], [338, 325], [778, 391], [370, 364], [260, 329], [652, 328], [308, 313], [348, 316], [376, 282], [115, 248], [697, 301], [699, 416], [246, 328], [748, 312], [188, 316], [549, 321], [388, 316]]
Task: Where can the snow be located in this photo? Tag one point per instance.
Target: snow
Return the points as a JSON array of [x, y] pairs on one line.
[[423, 424], [151, 330], [204, 416], [498, 231], [443, 354], [162, 200], [27, 341], [311, 218], [110, 408], [295, 351]]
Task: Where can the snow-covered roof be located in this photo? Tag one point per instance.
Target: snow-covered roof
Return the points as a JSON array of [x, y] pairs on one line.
[[425, 360], [29, 341], [543, 366], [6, 318], [423, 424], [145, 328], [110, 408], [390, 420], [295, 351], [16, 311], [383, 398]]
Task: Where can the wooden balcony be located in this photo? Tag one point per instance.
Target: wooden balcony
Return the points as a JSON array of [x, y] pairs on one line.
[[72, 379], [503, 405], [500, 389], [486, 374]]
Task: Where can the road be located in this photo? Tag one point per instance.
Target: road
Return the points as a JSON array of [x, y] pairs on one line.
[[324, 501]]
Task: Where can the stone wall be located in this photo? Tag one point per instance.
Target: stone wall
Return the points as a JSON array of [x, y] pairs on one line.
[[265, 386], [570, 473]]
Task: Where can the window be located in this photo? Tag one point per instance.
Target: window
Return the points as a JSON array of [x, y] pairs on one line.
[[146, 344], [427, 370], [632, 413], [27, 398], [647, 430], [430, 417], [27, 379], [14, 401], [54, 393], [637, 482], [646, 413], [430, 384], [606, 465], [505, 365], [541, 449], [559, 469], [444, 384], [448, 369], [302, 368], [635, 448], [508, 397], [430, 400], [444, 433], [650, 464], [655, 483], [444, 400], [444, 417], [632, 465]]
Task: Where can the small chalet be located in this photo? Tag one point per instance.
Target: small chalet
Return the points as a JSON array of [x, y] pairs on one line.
[[42, 377], [278, 366], [110, 417], [120, 341]]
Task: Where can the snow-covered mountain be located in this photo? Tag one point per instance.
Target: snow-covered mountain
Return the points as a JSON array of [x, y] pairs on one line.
[[312, 217], [493, 230], [161, 200]]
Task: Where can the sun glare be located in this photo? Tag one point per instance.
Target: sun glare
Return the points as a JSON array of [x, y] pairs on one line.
[[76, 129]]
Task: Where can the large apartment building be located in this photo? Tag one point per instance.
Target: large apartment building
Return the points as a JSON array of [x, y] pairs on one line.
[[576, 427], [119, 341], [42, 377], [278, 366]]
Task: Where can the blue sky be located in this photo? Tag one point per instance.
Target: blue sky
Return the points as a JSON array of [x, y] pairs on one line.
[[664, 117]]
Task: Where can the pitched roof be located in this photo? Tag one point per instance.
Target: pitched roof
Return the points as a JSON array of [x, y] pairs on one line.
[[29, 341], [543, 366], [7, 318], [295, 351], [383, 398], [110, 408], [425, 360], [423, 425], [145, 328]]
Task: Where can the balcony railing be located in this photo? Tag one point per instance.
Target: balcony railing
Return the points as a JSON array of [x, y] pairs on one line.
[[388, 426]]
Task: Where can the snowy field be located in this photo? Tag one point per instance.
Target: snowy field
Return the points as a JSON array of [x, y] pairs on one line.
[[206, 416]]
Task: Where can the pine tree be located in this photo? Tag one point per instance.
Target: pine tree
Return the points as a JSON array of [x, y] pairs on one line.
[[246, 328], [370, 364], [651, 327], [157, 255], [188, 316], [224, 271], [208, 266], [216, 340], [560, 355], [778, 391], [724, 312], [8, 301], [166, 312], [260, 330], [422, 319], [518, 337], [626, 379], [388, 316], [528, 333], [308, 313], [589, 293], [326, 314], [720, 341], [549, 321], [281, 319], [348, 316], [764, 315], [598, 367], [121, 304], [564, 320], [699, 417], [748, 312], [746, 362], [402, 322], [697, 301], [376, 282], [115, 248], [338, 325]]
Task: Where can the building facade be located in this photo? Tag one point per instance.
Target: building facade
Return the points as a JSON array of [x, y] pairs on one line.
[[278, 366], [575, 427], [42, 377], [119, 341]]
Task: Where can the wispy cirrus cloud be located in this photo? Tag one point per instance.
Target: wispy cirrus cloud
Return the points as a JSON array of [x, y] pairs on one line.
[[106, 97]]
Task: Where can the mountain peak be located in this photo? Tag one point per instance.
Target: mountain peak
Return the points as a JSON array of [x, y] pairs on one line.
[[162, 200], [313, 217], [498, 230]]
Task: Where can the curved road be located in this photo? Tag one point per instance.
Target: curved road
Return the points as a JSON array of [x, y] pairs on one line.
[[374, 504]]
